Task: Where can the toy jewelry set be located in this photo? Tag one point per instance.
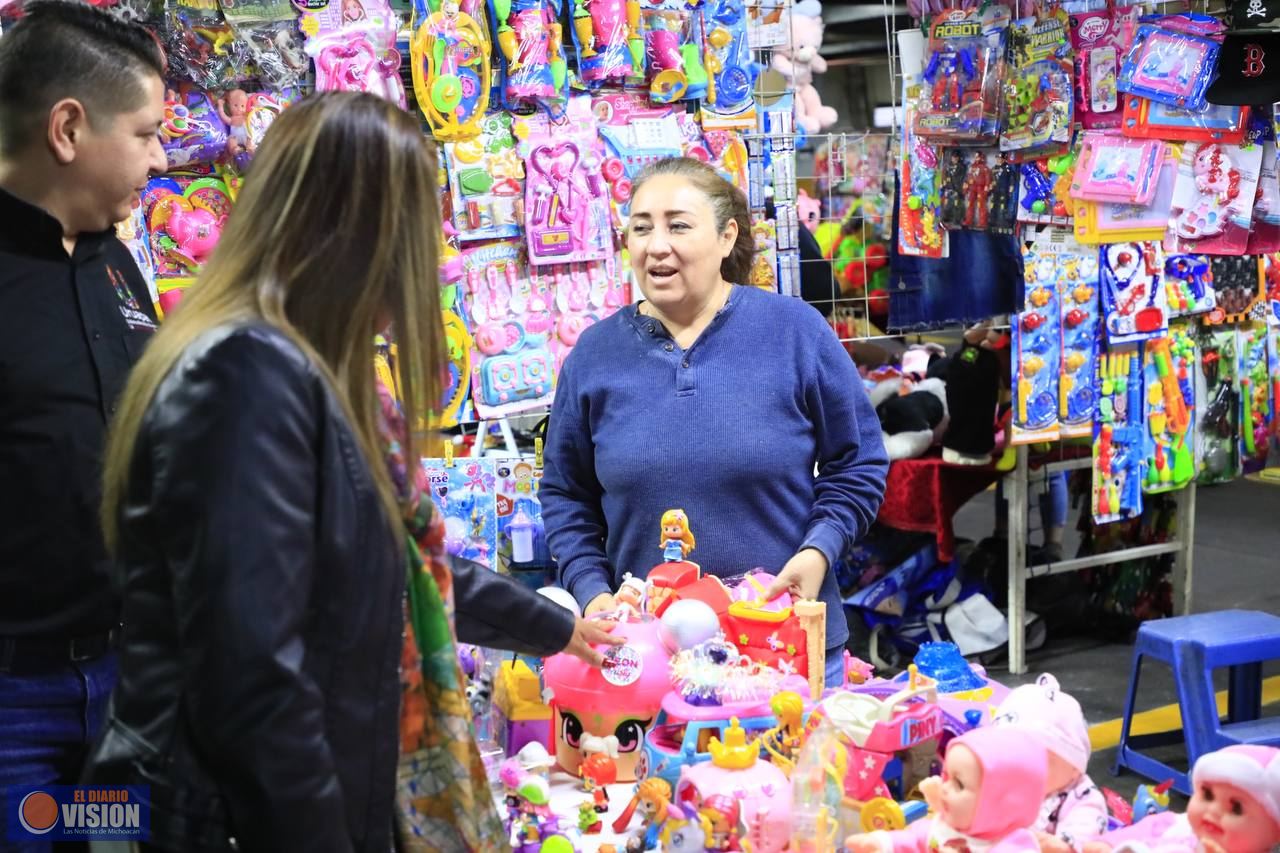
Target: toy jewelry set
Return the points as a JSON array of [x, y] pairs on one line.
[[1213, 199]]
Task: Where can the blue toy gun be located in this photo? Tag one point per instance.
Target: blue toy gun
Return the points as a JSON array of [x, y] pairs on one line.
[[1038, 189]]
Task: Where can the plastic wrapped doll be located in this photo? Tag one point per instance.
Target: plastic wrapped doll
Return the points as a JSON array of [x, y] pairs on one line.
[[990, 791], [1235, 808], [1074, 809], [677, 540]]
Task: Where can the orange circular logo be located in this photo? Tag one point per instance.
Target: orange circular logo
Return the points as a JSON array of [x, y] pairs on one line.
[[38, 812]]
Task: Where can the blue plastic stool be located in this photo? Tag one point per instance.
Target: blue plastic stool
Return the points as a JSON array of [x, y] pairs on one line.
[[1194, 646]]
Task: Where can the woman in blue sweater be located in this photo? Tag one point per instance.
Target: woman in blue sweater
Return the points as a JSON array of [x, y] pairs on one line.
[[719, 399]]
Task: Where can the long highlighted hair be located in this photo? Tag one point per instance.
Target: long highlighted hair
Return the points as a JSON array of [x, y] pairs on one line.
[[676, 517], [334, 237]]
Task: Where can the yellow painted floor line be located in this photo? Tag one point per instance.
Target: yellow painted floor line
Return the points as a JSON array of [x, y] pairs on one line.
[[1167, 718]]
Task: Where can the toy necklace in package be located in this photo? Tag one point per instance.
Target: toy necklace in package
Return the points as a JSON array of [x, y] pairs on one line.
[[1118, 437], [1172, 60], [1080, 329], [1169, 365], [567, 215], [531, 46], [1253, 367], [1218, 406], [1100, 39], [463, 491], [1038, 96], [960, 98], [486, 182], [1212, 209], [1133, 301], [451, 53]]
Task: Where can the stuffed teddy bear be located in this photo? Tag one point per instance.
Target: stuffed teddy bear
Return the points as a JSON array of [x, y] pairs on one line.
[[799, 63], [913, 417]]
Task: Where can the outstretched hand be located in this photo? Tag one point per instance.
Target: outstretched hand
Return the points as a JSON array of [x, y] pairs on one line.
[[588, 633], [802, 576], [602, 603]]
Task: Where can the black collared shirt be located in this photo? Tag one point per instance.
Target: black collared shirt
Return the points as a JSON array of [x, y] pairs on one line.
[[70, 330]]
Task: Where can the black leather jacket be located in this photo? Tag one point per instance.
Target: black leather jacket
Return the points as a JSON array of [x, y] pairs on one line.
[[259, 685]]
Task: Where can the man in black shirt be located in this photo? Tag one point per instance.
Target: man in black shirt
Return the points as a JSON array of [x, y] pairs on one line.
[[81, 101]]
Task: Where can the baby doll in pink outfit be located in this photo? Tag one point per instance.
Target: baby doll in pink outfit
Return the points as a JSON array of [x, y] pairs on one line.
[[990, 791], [1074, 810], [1234, 808]]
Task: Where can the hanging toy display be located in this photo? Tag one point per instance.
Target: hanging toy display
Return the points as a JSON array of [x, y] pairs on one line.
[[1213, 200], [731, 72], [1264, 234], [960, 98], [531, 44], [1004, 195], [486, 182], [1038, 91], [1147, 119], [1257, 411], [1188, 285], [1099, 39], [1239, 290], [977, 190], [609, 41], [1037, 344], [920, 200], [1081, 326], [353, 44], [451, 52], [673, 52], [193, 131], [1126, 222], [1133, 301], [1173, 60], [185, 216], [1168, 367], [1111, 168], [1118, 438], [1218, 446]]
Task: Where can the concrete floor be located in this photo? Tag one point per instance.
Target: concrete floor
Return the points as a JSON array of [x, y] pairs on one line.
[[1235, 565]]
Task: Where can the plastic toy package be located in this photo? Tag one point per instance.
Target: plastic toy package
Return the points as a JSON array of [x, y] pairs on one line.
[[1218, 407], [1240, 290], [674, 65], [1114, 222], [967, 185], [358, 58], [1115, 169], [1133, 302], [1118, 437], [584, 294], [185, 216], [201, 48], [193, 132], [455, 405], [635, 133], [531, 46], [1038, 92], [1265, 236], [486, 182], [1188, 285], [132, 232], [920, 231], [1099, 40], [960, 99], [1043, 190], [1257, 409], [1271, 286], [1169, 365], [450, 58], [1037, 338], [463, 491], [609, 41], [1147, 119], [1173, 60], [731, 71], [1080, 330], [521, 539], [1213, 200]]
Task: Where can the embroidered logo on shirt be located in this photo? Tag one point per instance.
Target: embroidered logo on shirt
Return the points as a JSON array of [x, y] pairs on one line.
[[129, 308]]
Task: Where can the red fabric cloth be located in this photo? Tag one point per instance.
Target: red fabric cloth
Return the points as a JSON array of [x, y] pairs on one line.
[[923, 494]]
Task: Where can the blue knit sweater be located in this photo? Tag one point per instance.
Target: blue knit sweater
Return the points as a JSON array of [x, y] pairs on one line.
[[729, 430]]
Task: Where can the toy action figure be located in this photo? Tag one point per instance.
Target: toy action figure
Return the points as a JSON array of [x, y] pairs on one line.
[[977, 186], [948, 72], [953, 190], [598, 771], [1004, 196]]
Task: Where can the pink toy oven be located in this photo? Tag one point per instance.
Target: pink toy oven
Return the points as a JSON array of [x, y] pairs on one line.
[[610, 709]]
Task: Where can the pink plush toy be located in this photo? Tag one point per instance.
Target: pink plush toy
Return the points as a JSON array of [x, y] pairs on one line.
[[800, 61], [809, 210], [992, 784]]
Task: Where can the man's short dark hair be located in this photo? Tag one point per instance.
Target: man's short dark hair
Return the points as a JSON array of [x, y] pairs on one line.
[[64, 49]]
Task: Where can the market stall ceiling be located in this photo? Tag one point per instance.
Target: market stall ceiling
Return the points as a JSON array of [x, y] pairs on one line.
[[855, 29]]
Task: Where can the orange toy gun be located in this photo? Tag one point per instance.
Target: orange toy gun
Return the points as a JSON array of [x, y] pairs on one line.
[[1175, 407]]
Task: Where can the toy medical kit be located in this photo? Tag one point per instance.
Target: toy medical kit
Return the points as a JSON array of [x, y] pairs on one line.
[[358, 59], [673, 53], [1146, 119], [1112, 168], [1188, 284], [1132, 297], [450, 58], [1213, 200], [960, 96], [610, 44], [1168, 376], [1038, 93], [1171, 66], [1257, 408], [531, 46], [1239, 288], [184, 216], [1218, 407], [486, 182], [1118, 437], [1099, 40], [1080, 327], [463, 492]]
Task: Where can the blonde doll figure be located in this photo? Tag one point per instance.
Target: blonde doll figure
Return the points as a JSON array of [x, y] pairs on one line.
[[677, 540]]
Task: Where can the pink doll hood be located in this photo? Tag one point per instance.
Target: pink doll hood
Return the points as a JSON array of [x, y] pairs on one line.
[[1052, 717], [1014, 773], [1255, 769]]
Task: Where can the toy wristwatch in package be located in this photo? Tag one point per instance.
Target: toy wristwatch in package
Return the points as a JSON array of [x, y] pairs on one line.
[[1239, 287], [960, 96], [1147, 119], [1117, 221], [1213, 201], [450, 56], [1081, 324], [1253, 367], [609, 39], [673, 51], [1133, 302], [566, 200], [1038, 96], [463, 491], [1100, 39], [1188, 285], [1173, 60], [531, 44], [486, 182], [730, 70], [1118, 437], [1218, 407], [1169, 365]]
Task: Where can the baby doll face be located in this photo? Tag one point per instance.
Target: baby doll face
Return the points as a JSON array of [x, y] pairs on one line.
[[1062, 773], [672, 531], [961, 784], [1231, 818], [574, 726]]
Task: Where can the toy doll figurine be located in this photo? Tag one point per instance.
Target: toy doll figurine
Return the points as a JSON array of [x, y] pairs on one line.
[[723, 817], [977, 187], [1074, 810], [631, 596], [953, 190], [990, 792], [782, 742], [684, 832], [589, 821], [233, 107], [1004, 196], [652, 798], [598, 771], [1235, 808], [511, 775], [677, 539]]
